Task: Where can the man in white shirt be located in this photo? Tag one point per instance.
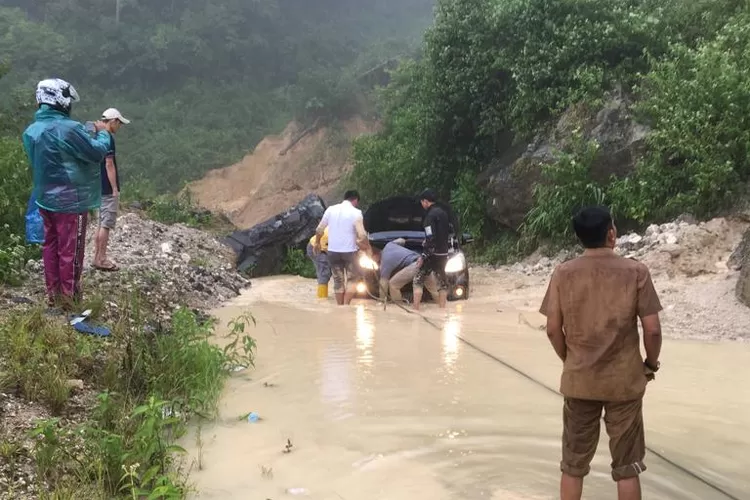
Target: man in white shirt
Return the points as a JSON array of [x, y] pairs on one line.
[[346, 236]]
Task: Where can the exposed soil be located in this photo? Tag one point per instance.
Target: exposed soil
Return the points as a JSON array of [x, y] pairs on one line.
[[689, 266], [276, 176]]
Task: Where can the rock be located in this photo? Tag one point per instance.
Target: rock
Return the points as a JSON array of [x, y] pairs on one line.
[[509, 180], [185, 258], [735, 262], [634, 239], [34, 266], [741, 257], [75, 384], [166, 248], [261, 249], [672, 249], [652, 230], [671, 239], [685, 220]]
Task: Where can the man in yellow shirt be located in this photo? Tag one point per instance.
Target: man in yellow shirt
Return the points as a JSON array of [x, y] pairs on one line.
[[322, 267]]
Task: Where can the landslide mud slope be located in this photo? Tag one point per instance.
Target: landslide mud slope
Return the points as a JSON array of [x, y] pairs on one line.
[[280, 172]]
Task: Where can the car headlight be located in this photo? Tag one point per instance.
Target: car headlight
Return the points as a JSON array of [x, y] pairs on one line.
[[365, 262], [456, 264]]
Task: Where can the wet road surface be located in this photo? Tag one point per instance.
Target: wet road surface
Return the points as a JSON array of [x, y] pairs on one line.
[[384, 405]]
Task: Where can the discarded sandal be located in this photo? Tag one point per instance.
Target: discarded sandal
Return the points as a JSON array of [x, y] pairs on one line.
[[108, 267]]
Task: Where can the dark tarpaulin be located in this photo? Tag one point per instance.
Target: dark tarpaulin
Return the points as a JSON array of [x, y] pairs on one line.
[[262, 248]]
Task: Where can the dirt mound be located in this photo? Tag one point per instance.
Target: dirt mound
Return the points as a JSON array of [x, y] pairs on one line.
[[684, 248], [170, 265], [691, 266], [281, 171], [679, 248]]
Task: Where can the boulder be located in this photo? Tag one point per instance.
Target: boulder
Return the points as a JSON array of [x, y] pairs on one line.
[[741, 258], [509, 180], [260, 250]]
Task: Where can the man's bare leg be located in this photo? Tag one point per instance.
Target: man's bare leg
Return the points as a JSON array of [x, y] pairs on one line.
[[350, 288], [400, 280], [571, 488], [395, 294], [443, 299], [339, 298], [417, 298], [102, 241], [383, 289], [98, 247], [629, 489]]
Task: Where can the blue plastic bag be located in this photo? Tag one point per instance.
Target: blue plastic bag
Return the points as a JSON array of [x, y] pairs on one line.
[[34, 223]]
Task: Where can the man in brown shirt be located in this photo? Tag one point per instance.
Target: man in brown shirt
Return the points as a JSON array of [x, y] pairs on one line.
[[592, 306]]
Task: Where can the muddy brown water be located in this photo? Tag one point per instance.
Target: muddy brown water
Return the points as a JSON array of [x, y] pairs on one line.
[[381, 405]]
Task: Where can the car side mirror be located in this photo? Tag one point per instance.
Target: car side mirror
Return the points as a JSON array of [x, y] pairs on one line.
[[466, 238]]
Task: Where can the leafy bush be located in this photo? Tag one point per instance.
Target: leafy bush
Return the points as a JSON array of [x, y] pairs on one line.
[[298, 264], [469, 203], [697, 103], [565, 188], [494, 73], [13, 255]]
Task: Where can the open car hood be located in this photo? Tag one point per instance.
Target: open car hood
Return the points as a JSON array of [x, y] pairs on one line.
[[400, 216]]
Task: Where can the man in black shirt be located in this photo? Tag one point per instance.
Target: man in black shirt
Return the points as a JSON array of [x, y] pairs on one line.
[[111, 121], [435, 253]]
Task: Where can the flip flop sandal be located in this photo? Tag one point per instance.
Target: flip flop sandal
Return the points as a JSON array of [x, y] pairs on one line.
[[74, 320], [99, 331], [107, 269]]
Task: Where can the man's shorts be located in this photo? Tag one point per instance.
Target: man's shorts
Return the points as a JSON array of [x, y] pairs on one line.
[[403, 277], [108, 211], [322, 267], [343, 269], [432, 264], [624, 423]]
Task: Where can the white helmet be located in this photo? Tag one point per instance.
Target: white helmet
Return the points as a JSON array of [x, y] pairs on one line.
[[56, 93]]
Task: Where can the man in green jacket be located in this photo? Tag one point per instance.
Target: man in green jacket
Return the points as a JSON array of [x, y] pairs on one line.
[[65, 161]]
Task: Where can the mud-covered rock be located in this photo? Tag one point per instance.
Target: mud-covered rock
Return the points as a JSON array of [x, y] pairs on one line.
[[509, 181], [741, 260], [261, 249], [685, 247]]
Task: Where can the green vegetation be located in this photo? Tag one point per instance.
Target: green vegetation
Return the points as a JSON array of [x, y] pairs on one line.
[[297, 263], [493, 74], [204, 81], [151, 383], [15, 189]]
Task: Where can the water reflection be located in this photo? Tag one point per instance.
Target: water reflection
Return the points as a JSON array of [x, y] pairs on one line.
[[451, 331], [335, 385], [365, 335]]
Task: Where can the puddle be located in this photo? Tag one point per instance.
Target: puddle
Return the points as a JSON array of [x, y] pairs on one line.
[[381, 405]]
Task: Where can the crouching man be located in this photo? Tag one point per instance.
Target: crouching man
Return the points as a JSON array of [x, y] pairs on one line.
[[398, 266]]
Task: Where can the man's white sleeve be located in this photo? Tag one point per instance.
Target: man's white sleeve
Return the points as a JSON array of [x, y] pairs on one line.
[[324, 221]]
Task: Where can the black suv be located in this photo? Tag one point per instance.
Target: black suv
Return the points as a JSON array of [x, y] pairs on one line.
[[401, 217]]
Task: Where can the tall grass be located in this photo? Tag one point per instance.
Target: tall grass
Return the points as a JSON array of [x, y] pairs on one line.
[[150, 381]]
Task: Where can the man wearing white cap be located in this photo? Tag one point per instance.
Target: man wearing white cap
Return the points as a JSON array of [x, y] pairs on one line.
[[111, 121]]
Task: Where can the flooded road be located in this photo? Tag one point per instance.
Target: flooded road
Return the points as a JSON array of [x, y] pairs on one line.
[[384, 405]]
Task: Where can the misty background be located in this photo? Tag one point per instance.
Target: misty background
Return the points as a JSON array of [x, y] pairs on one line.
[[202, 80]]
